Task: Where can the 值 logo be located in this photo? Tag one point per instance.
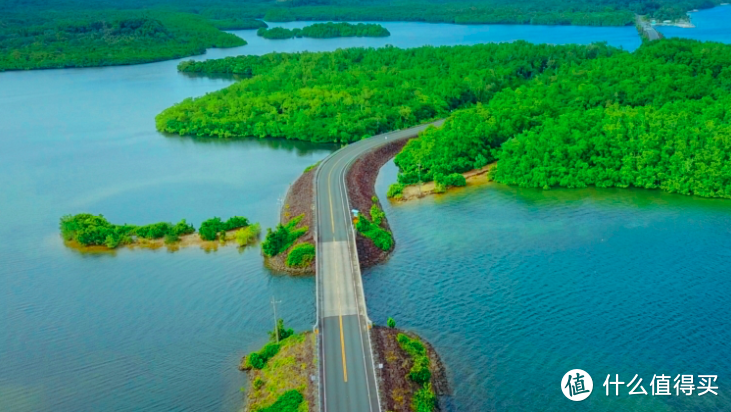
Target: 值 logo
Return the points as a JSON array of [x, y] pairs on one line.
[[577, 385]]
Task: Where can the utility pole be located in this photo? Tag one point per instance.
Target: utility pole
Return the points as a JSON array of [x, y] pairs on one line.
[[276, 325]]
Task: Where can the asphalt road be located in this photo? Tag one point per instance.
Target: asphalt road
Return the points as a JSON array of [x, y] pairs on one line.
[[347, 371]]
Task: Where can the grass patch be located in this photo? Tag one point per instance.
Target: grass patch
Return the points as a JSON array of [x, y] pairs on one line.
[[283, 382], [301, 255]]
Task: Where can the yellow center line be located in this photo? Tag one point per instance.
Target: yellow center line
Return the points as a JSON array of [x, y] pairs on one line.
[[340, 309], [342, 348]]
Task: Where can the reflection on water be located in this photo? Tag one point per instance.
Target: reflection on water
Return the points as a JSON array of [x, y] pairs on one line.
[[298, 147]]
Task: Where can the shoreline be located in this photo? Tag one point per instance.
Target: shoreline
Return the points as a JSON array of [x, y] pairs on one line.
[[300, 199], [185, 241], [473, 177], [361, 180], [393, 382]]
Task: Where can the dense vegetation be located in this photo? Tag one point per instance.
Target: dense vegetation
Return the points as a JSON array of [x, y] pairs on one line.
[[51, 40], [71, 33], [551, 12], [283, 236], [372, 228], [301, 255], [349, 94], [288, 402], [424, 400], [91, 230], [214, 228], [657, 118], [326, 31]]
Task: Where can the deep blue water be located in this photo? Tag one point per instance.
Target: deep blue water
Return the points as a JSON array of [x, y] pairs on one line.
[[515, 287], [710, 25]]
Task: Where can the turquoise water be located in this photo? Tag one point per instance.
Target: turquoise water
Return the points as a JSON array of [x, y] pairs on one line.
[[515, 287], [711, 25], [160, 331]]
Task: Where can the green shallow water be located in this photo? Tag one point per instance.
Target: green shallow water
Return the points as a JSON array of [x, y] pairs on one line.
[[515, 287]]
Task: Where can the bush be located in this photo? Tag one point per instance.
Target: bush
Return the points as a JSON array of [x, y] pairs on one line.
[[453, 179], [280, 239], [419, 372], [391, 323], [377, 215], [284, 333], [258, 360], [247, 235], [183, 228], [90, 230], [424, 399], [211, 228], [301, 255], [154, 231], [288, 402], [380, 237], [395, 190]]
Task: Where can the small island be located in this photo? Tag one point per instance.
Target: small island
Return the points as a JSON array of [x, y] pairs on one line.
[[87, 232], [326, 31], [279, 375]]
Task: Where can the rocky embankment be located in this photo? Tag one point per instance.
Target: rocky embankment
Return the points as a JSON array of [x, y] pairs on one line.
[[300, 199], [361, 180], [397, 390]]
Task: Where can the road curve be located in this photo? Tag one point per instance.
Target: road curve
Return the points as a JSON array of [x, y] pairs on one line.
[[347, 373]]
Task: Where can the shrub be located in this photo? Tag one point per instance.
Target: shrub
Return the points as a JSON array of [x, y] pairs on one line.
[[258, 360], [236, 222], [247, 235], [288, 402], [211, 228], [453, 179], [301, 255], [391, 323], [284, 333], [380, 237], [154, 231], [377, 215], [280, 239], [395, 190], [183, 228], [420, 372], [90, 230], [424, 399]]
